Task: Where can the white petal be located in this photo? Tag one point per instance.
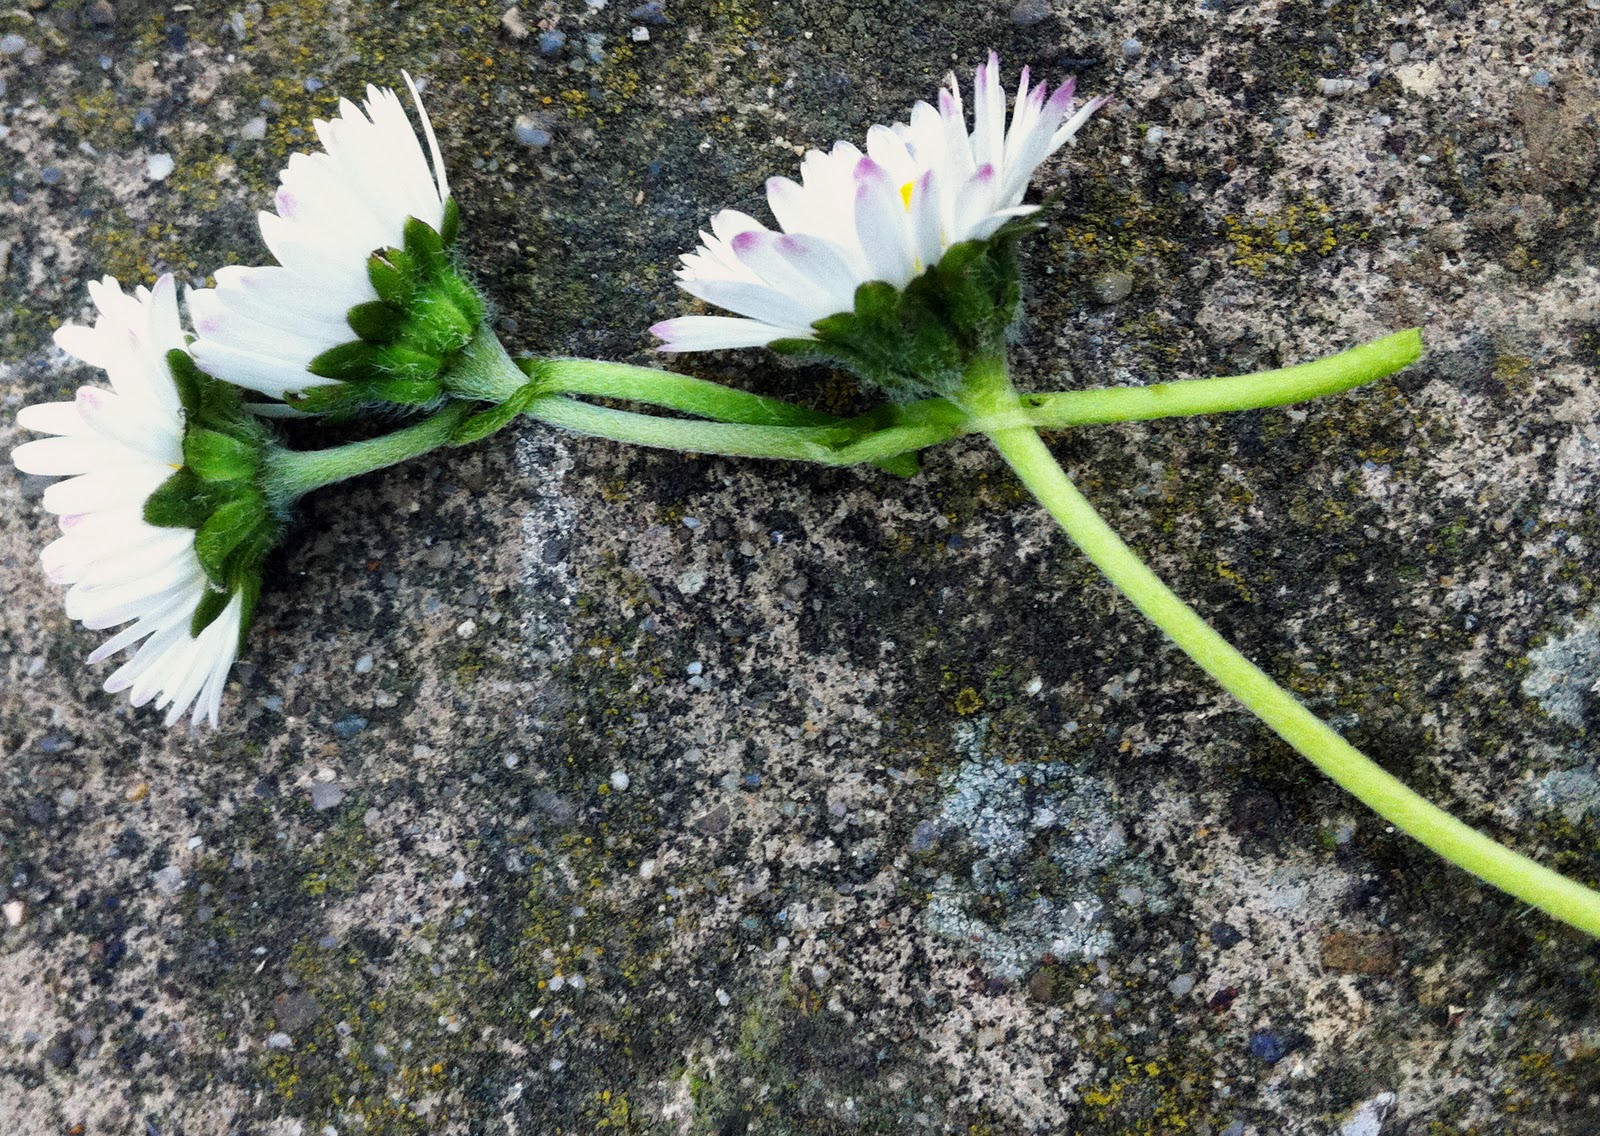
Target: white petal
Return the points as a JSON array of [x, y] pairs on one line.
[[719, 333], [272, 377]]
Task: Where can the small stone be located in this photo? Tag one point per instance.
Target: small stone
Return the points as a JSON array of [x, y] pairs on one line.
[[640, 34], [295, 1010], [237, 25], [169, 880], [325, 796], [1225, 936], [15, 911], [159, 166], [1111, 287], [458, 879], [467, 628], [279, 1041], [722, 997], [364, 665], [12, 44], [1398, 53], [1132, 48], [551, 43], [1181, 986], [620, 780], [1268, 1046], [254, 130], [528, 131], [1027, 13], [511, 19], [1333, 88], [692, 582], [652, 13], [314, 85], [101, 14], [350, 725], [647, 871], [1354, 952]]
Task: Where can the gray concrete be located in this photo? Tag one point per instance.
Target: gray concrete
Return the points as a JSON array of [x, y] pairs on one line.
[[923, 829]]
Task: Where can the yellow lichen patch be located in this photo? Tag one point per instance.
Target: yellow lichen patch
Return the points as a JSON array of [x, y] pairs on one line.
[[1305, 228]]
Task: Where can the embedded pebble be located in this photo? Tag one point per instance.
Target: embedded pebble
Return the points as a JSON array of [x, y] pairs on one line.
[[647, 869], [552, 42], [1333, 88], [159, 166], [692, 582], [722, 997], [1132, 48], [1111, 287], [619, 780], [325, 796], [12, 45], [1181, 985], [640, 34], [279, 1041], [511, 19], [169, 880], [364, 665], [254, 130], [15, 912], [652, 13], [1027, 13], [467, 628], [529, 133], [350, 726]]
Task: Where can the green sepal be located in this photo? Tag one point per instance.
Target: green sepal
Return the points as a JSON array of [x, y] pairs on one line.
[[450, 226], [918, 341], [219, 457], [178, 502], [229, 526], [393, 274], [403, 391], [186, 378], [211, 605], [250, 592], [403, 361], [377, 321], [349, 362], [426, 247], [480, 426]]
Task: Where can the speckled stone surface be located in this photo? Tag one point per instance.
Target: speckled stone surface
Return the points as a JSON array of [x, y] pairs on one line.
[[565, 788]]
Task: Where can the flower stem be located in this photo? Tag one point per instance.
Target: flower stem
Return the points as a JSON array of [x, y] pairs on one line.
[[989, 391], [289, 475], [1238, 392], [670, 391]]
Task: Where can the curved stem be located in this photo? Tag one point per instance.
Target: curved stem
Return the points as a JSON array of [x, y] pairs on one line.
[[289, 475], [1386, 795], [669, 390], [1331, 375]]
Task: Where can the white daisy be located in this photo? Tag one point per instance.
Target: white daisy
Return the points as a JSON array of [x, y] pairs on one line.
[[115, 448], [260, 328], [885, 215]]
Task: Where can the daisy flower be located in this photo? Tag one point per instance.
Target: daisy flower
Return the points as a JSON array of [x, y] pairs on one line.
[[887, 215], [290, 327], [115, 449]]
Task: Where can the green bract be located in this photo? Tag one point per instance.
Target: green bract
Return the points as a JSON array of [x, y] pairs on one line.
[[409, 337], [218, 491], [921, 340]]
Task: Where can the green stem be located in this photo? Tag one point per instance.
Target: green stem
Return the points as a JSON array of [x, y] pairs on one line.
[[670, 391], [291, 474], [487, 373], [1239, 392], [989, 392]]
